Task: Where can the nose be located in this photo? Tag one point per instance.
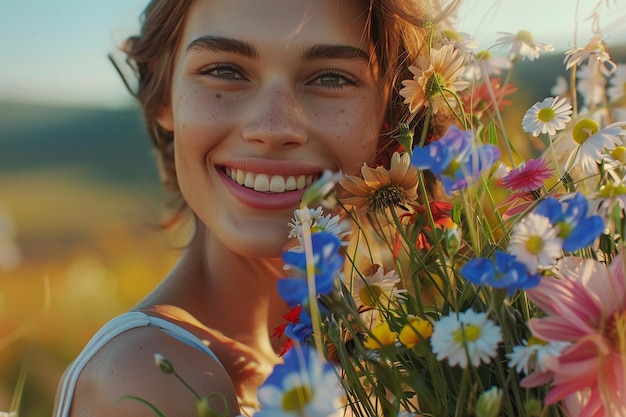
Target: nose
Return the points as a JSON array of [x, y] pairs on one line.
[[275, 120]]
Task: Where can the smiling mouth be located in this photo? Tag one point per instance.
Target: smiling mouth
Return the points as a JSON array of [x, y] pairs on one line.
[[270, 183]]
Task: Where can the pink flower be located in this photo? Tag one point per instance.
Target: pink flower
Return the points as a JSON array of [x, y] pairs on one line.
[[586, 305], [529, 176]]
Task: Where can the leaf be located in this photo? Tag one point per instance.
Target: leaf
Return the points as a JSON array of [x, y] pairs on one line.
[[148, 404]]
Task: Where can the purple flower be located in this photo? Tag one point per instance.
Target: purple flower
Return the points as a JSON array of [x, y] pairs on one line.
[[454, 159], [506, 272], [570, 215]]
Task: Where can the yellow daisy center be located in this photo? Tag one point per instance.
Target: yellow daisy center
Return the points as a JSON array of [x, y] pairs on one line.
[[468, 333], [583, 129], [452, 35], [524, 36], [546, 114], [483, 55], [619, 153], [296, 398], [612, 190], [534, 244], [535, 341], [370, 295]]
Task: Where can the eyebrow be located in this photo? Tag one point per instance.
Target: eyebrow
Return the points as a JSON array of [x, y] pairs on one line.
[[221, 44], [319, 51]]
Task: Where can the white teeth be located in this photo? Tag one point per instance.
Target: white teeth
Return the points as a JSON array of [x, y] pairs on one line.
[[261, 183], [249, 181], [265, 183], [300, 182], [290, 184], [277, 184]]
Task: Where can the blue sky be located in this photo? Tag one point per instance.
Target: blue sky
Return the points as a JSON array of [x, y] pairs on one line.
[[56, 51]]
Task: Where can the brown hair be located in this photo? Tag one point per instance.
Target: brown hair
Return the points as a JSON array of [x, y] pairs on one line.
[[399, 29]]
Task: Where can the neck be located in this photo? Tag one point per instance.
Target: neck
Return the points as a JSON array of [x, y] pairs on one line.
[[233, 294]]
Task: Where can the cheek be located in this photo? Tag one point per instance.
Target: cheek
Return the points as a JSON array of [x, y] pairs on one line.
[[354, 132], [202, 119]]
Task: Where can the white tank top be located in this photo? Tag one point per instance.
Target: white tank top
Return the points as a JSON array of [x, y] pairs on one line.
[[113, 328]]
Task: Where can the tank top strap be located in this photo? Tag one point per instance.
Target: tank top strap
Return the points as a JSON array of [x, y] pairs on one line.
[[115, 327]]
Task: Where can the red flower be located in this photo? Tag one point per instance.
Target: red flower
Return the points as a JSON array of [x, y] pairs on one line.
[[441, 216], [292, 316], [480, 98]]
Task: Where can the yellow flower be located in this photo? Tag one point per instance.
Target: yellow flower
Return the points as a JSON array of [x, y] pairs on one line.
[[381, 188], [431, 77], [381, 336], [416, 330]]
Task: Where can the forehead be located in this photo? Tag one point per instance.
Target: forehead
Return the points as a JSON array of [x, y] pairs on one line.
[[289, 22]]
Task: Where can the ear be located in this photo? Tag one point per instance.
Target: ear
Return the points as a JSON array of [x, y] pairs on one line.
[[165, 117]]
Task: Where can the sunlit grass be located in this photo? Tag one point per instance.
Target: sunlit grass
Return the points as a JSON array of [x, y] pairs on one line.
[[89, 252]]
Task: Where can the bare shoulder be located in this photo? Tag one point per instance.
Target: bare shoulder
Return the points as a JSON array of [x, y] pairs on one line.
[[126, 367]]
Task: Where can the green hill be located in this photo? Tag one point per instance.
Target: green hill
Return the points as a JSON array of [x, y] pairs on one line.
[[106, 145]]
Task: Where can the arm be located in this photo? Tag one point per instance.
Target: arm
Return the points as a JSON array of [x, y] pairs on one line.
[[125, 366]]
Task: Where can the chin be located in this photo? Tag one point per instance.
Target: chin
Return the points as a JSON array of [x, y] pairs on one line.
[[270, 247]]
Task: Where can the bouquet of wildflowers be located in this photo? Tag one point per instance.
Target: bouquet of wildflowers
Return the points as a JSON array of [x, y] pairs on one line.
[[506, 296]]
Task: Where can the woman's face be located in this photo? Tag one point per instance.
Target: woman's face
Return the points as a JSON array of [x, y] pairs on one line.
[[266, 94]]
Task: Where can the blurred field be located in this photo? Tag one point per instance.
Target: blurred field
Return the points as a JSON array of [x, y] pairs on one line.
[[83, 202]]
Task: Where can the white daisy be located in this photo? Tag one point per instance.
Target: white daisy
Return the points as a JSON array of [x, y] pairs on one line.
[[548, 116], [485, 63], [523, 45], [591, 84], [617, 84], [535, 354], [535, 243], [470, 338], [593, 51], [376, 289], [304, 385], [461, 40], [593, 142], [317, 222], [611, 194], [561, 88]]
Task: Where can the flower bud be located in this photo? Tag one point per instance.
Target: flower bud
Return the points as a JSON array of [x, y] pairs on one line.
[[488, 404], [164, 365]]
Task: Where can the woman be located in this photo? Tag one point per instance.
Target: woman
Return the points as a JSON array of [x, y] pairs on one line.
[[248, 102]]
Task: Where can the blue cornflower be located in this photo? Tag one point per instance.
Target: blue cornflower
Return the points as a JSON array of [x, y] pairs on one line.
[[506, 272], [327, 263], [454, 159], [570, 215], [304, 385]]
